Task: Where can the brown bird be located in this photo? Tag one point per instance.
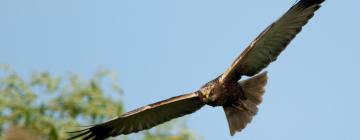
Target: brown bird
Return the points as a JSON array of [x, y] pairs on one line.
[[238, 99]]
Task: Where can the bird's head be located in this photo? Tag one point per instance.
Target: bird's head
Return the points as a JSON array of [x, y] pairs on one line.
[[207, 94]]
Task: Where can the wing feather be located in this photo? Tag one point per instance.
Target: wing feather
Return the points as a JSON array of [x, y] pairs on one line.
[[144, 117], [271, 42]]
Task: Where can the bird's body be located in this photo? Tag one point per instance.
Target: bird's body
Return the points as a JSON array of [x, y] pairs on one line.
[[239, 99], [216, 94]]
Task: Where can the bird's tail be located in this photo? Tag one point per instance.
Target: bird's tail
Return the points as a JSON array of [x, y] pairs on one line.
[[241, 113]]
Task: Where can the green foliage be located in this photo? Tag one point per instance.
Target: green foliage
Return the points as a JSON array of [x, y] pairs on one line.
[[48, 106]]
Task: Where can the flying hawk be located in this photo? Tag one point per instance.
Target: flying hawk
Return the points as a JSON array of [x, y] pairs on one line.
[[239, 99]]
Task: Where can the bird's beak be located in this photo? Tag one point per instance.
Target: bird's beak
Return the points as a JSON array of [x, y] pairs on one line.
[[207, 96]]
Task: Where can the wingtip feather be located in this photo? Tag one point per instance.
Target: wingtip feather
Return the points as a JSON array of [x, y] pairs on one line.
[[308, 3], [82, 133]]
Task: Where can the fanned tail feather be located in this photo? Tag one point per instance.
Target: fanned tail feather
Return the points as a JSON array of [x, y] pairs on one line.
[[242, 112]]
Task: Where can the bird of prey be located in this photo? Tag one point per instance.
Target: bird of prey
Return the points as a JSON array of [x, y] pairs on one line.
[[239, 99]]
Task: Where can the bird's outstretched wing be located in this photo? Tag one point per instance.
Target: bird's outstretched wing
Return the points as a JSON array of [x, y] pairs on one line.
[[268, 45], [144, 117]]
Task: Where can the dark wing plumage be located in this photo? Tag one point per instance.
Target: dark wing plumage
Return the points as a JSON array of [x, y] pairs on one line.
[[144, 117], [269, 44]]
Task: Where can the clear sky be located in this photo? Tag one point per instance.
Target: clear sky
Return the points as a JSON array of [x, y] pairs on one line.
[[163, 48]]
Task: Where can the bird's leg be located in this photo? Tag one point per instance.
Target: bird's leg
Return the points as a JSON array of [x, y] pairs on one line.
[[240, 106]]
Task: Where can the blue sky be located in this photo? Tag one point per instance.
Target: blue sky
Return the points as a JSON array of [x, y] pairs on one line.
[[164, 48]]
